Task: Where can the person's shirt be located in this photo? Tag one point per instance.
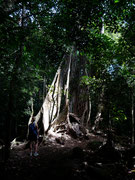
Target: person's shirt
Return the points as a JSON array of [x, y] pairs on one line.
[[33, 129]]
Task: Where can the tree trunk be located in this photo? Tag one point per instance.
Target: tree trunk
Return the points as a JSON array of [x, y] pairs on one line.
[[44, 88], [89, 113], [98, 118], [133, 120], [67, 91], [66, 96], [11, 123], [51, 105]]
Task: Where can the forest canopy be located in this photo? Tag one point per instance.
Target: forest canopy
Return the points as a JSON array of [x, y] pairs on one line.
[[37, 36]]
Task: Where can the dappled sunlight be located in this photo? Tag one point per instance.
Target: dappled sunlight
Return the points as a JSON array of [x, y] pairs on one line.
[[61, 155], [68, 65]]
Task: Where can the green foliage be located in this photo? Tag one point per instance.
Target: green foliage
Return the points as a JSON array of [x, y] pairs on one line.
[[118, 116], [92, 82], [116, 1], [35, 35], [128, 74], [119, 121]]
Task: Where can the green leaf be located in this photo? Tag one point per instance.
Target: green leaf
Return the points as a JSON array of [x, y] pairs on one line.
[[116, 1], [24, 48]]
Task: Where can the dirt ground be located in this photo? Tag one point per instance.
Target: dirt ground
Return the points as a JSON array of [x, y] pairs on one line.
[[66, 159]]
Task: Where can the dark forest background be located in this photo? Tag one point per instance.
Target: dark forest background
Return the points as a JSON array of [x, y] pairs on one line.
[[35, 36]]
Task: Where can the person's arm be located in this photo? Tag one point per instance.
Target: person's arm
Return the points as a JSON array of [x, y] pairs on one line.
[[37, 131]]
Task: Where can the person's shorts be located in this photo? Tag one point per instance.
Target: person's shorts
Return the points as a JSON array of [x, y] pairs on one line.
[[32, 138]]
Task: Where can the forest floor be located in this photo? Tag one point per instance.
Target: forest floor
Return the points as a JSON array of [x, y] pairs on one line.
[[67, 158]]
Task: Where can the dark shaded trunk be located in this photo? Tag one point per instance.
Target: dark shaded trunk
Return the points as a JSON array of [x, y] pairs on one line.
[[11, 121], [133, 120], [100, 107]]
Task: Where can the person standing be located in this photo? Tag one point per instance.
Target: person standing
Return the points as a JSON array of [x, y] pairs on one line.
[[33, 137]]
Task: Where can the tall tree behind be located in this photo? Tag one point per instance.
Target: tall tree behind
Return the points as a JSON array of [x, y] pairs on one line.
[[11, 121], [66, 95]]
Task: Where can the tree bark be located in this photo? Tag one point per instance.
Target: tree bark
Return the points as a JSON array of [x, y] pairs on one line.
[[133, 120], [51, 105], [98, 118], [11, 123], [67, 91], [89, 113], [64, 95]]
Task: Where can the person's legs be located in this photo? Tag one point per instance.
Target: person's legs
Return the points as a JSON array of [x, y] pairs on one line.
[[36, 148], [31, 144]]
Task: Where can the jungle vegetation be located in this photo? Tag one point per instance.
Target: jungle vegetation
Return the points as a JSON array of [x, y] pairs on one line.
[[90, 42]]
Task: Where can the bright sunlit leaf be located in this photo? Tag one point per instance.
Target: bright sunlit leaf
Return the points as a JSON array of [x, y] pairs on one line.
[[116, 1]]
